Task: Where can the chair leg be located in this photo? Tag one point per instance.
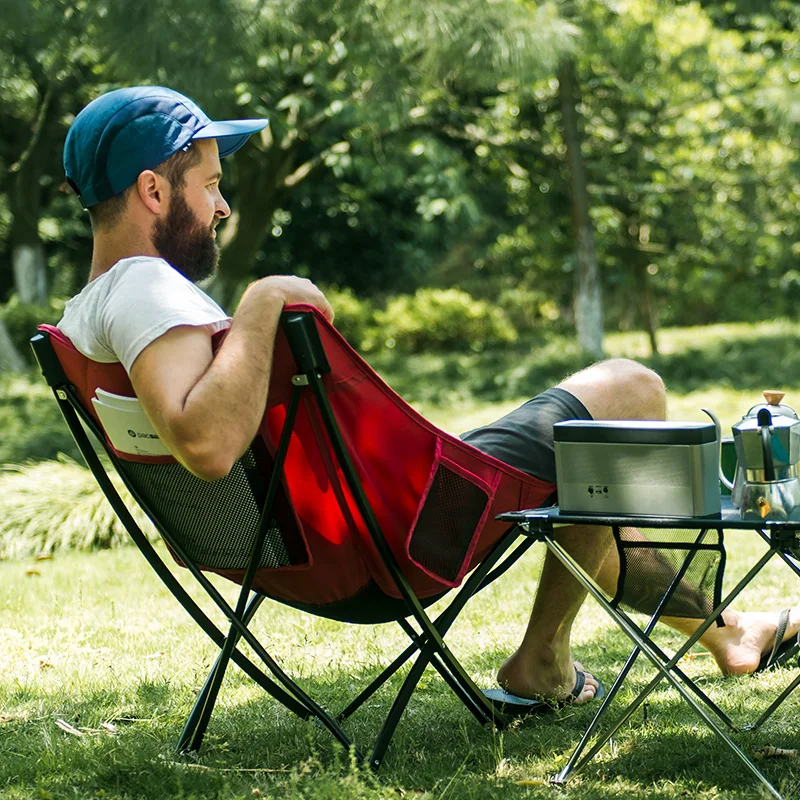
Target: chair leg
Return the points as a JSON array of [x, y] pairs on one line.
[[398, 707], [376, 684], [197, 722], [774, 705], [417, 642], [430, 652], [445, 674]]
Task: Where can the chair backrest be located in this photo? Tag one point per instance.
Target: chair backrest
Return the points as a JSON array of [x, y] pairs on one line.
[[434, 496]]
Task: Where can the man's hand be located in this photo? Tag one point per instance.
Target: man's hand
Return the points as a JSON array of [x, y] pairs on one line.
[[205, 407], [291, 289]]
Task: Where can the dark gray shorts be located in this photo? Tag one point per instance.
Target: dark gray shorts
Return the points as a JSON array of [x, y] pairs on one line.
[[524, 437]]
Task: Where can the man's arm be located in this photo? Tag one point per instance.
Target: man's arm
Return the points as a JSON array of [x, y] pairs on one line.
[[207, 408]]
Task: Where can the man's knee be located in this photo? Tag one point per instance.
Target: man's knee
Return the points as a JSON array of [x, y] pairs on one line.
[[619, 388], [632, 375]]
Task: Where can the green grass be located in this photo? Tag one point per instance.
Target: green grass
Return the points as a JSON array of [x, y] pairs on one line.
[[94, 639]]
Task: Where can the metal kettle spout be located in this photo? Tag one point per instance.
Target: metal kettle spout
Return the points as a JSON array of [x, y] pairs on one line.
[[725, 482]]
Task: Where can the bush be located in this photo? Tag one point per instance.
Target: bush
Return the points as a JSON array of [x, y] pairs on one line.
[[530, 310], [57, 504], [355, 317], [31, 422], [437, 319], [22, 319]]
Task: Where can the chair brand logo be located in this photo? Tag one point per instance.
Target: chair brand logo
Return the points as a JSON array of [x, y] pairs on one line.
[[135, 435]]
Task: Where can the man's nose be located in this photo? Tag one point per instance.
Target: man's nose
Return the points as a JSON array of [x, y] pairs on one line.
[[223, 209]]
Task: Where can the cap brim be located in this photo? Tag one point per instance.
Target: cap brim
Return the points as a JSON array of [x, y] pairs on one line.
[[231, 134]]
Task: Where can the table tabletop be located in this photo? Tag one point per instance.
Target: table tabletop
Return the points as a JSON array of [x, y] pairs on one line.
[[545, 518]]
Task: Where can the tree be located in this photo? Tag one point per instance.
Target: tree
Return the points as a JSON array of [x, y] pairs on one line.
[[45, 59], [10, 359], [349, 70], [588, 298]]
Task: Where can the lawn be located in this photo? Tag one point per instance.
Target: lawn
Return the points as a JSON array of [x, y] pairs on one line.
[[99, 665], [94, 641]]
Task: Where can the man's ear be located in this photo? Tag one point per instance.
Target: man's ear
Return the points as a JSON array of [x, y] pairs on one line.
[[151, 191]]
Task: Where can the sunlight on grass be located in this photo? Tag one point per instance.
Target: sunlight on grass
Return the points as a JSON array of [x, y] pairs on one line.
[[636, 344], [94, 639]]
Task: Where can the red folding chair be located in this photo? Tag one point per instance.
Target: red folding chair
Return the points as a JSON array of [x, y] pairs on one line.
[[348, 504]]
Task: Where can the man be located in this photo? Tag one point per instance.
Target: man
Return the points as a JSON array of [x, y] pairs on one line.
[[145, 161]]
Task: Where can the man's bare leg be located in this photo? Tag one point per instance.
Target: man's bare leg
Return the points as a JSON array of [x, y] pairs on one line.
[[739, 646], [542, 665]]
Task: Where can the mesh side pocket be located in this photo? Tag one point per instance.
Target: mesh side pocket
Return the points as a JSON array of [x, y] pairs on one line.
[[651, 559], [446, 523], [214, 521]]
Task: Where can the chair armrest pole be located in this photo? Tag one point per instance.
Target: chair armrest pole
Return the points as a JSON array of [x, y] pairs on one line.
[[302, 335], [48, 361], [272, 489]]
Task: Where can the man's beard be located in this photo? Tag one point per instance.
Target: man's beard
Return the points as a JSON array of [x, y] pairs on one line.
[[182, 241]]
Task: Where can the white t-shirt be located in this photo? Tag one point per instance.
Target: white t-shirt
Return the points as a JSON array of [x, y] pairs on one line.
[[127, 308]]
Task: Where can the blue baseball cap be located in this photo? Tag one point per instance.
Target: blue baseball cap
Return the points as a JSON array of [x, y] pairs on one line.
[[126, 131]]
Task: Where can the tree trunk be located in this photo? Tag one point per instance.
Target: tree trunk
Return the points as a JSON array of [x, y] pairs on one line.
[[25, 204], [259, 187], [30, 273], [10, 359], [588, 302], [648, 307]]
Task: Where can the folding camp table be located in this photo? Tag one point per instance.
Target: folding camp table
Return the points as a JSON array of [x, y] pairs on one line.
[[783, 540]]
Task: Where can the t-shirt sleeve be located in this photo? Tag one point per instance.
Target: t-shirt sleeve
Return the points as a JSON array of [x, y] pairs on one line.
[[150, 299]]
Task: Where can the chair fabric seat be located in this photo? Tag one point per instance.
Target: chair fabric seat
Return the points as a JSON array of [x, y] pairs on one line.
[[434, 496]]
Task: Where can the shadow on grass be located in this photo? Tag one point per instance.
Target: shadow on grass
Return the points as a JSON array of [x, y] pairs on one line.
[[253, 742], [754, 363]]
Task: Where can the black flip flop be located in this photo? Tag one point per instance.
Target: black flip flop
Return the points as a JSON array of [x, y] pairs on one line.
[[516, 706], [782, 652]]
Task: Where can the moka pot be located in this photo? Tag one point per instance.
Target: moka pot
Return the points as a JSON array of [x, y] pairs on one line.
[[767, 442]]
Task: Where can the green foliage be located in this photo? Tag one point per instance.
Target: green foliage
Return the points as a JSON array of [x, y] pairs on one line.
[[354, 315], [31, 423], [56, 504], [420, 144], [436, 319], [22, 319]]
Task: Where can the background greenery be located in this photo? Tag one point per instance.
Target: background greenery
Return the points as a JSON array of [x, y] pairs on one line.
[[457, 176], [432, 146]]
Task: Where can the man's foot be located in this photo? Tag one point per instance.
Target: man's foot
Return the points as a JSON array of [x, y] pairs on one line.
[[547, 679], [516, 706], [747, 639]]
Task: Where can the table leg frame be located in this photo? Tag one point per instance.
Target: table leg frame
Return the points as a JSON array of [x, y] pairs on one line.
[[666, 668]]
